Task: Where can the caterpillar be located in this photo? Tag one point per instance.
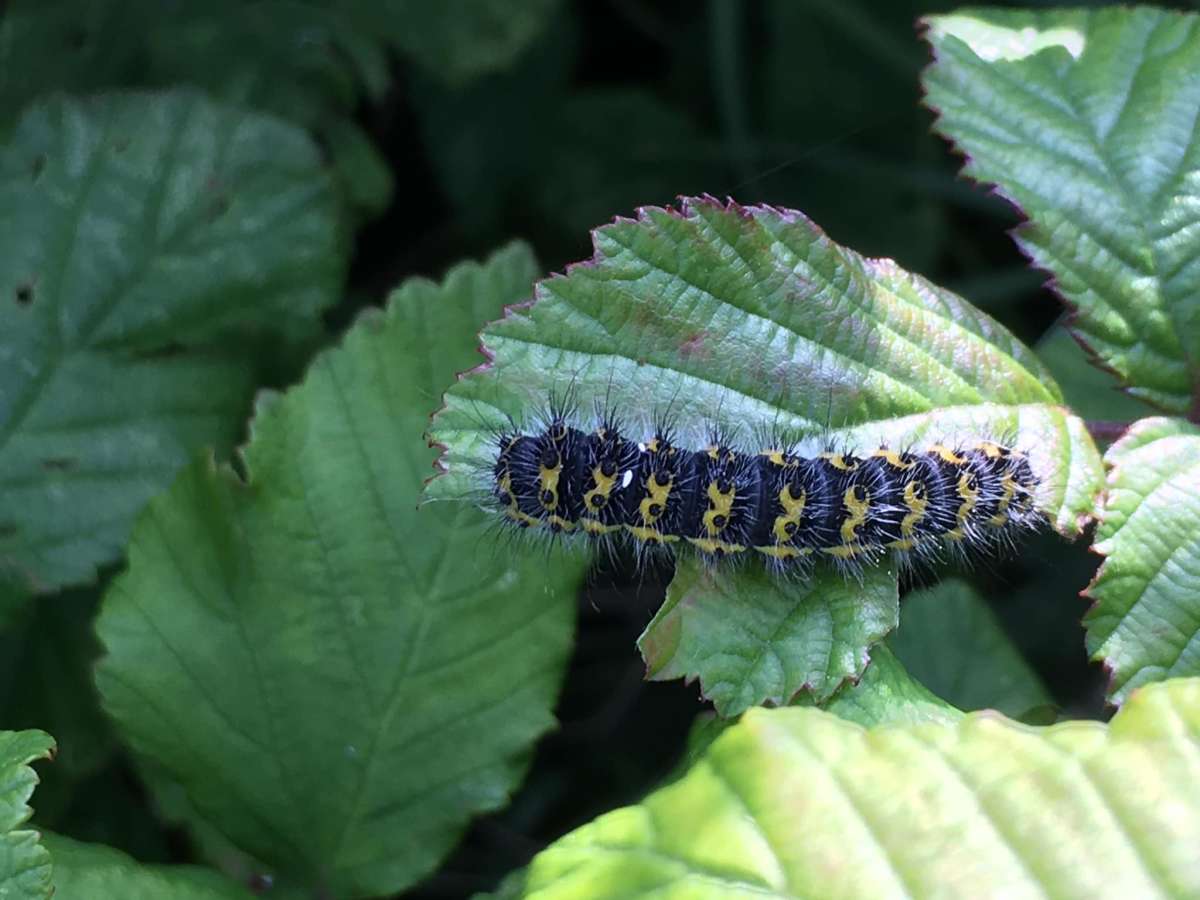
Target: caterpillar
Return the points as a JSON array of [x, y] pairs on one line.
[[725, 500]]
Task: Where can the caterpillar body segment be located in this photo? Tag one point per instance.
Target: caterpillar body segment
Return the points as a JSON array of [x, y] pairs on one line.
[[724, 501]]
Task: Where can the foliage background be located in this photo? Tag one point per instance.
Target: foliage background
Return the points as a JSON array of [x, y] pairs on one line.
[[549, 119]]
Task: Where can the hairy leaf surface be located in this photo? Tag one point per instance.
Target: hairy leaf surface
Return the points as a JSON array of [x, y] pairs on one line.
[[1145, 624], [800, 803], [146, 239], [1086, 120], [338, 679]]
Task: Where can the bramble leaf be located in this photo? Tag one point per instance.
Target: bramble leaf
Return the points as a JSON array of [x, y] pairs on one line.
[[95, 872], [337, 679], [148, 242], [1145, 624], [759, 638], [1084, 118], [753, 317], [24, 862], [800, 803], [952, 643]]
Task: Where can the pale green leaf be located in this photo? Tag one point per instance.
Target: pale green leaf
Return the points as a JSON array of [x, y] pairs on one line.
[[95, 872], [146, 239], [800, 803], [24, 862], [338, 679], [1145, 623], [1085, 119], [954, 645], [752, 317]]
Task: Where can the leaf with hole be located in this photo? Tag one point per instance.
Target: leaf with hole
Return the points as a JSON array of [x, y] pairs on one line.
[[150, 245]]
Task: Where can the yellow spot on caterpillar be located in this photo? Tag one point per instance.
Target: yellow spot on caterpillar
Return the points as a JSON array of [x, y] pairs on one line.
[[947, 455], [654, 504], [521, 518], [708, 545], [595, 526], [968, 492], [603, 488], [651, 535], [652, 445], [838, 461], [777, 458], [1008, 485], [894, 459], [846, 551], [917, 502], [991, 451], [858, 507], [548, 485], [720, 504], [560, 522], [793, 510]]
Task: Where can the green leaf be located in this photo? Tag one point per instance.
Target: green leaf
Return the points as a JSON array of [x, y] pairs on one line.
[[762, 639], [1145, 623], [1084, 119], [309, 62], [954, 645], [887, 694], [24, 862], [147, 240], [338, 679], [800, 803], [95, 872], [753, 316]]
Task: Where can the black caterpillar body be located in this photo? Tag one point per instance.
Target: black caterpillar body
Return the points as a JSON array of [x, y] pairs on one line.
[[791, 509]]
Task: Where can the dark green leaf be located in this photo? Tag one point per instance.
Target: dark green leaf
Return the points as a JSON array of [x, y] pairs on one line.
[[338, 680], [146, 240], [953, 644], [95, 872]]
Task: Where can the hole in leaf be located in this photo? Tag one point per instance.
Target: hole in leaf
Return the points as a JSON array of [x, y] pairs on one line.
[[60, 464], [24, 294]]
